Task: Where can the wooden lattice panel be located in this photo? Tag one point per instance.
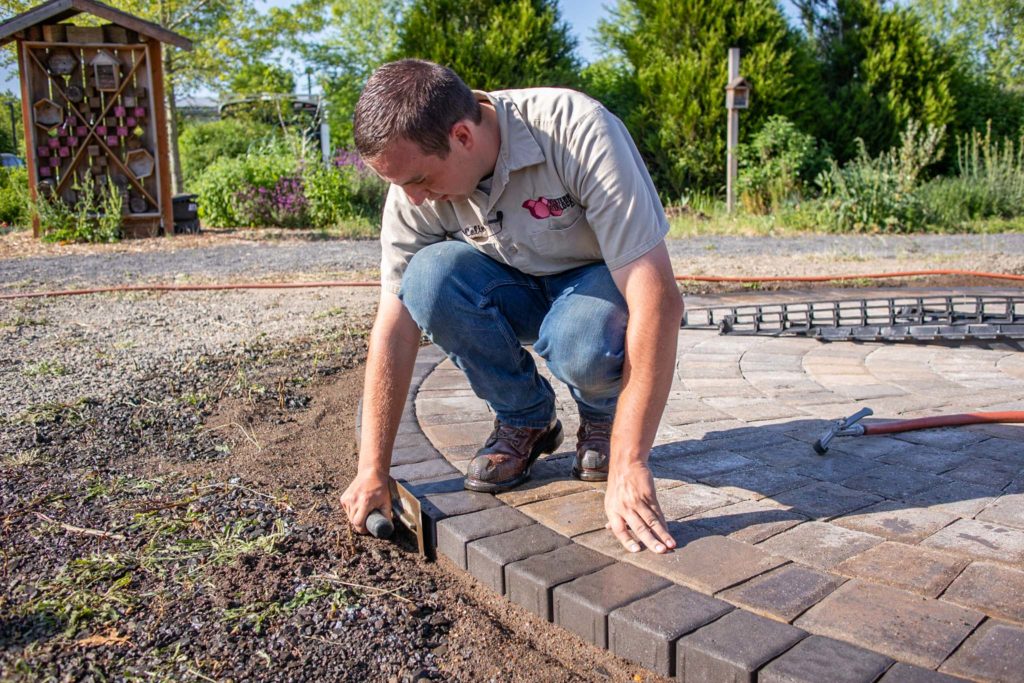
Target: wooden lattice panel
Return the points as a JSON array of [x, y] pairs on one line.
[[92, 108]]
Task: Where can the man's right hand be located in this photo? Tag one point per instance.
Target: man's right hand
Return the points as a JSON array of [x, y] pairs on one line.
[[367, 492]]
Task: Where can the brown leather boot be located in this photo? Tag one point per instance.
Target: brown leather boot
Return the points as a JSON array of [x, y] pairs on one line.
[[505, 459], [593, 448]]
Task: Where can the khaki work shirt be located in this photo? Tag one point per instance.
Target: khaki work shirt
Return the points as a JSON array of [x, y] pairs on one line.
[[569, 188]]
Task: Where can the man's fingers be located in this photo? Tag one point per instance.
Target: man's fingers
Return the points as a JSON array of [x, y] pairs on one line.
[[644, 533], [621, 531]]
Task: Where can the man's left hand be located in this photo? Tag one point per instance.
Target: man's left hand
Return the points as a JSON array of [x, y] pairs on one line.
[[633, 511]]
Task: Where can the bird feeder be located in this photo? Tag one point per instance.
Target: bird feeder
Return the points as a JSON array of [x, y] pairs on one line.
[[107, 71], [737, 94]]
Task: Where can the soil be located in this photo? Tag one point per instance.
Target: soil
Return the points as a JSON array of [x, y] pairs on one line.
[[170, 467]]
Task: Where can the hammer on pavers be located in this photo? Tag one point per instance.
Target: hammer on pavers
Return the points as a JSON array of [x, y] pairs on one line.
[[405, 507]]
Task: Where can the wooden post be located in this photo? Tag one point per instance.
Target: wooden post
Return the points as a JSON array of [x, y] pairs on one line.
[[24, 64], [733, 136], [163, 152]]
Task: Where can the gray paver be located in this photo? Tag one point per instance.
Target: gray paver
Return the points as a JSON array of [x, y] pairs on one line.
[[427, 469], [530, 582], [949, 438], [919, 570], [583, 605], [991, 588], [836, 467], [487, 557], [816, 659], [1007, 450], [980, 540], [454, 533], [822, 500], [413, 454], [995, 652], [707, 464], [784, 593], [925, 459], [985, 472], [709, 564], [646, 631], [690, 499], [902, 625], [907, 673], [957, 498], [749, 520], [733, 648], [757, 482], [819, 544], [891, 481], [897, 521]]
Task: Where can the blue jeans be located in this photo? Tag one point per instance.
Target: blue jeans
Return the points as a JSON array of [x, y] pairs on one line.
[[481, 312]]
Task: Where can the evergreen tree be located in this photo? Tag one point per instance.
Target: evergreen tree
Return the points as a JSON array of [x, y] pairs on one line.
[[491, 44], [675, 55]]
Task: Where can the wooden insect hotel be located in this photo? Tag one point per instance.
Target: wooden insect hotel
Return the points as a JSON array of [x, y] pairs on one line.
[[92, 102]]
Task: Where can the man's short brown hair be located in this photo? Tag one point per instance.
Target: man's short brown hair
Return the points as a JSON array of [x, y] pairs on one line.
[[412, 99]]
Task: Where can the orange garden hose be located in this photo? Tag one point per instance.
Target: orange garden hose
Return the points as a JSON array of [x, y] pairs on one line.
[[943, 421], [344, 283]]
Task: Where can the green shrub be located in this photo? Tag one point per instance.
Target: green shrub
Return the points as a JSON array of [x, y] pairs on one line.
[[95, 217], [345, 191], [879, 194], [219, 185], [989, 182], [776, 166], [14, 204], [202, 144]]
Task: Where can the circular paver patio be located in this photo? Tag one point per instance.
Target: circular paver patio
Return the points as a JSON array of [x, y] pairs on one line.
[[899, 554]]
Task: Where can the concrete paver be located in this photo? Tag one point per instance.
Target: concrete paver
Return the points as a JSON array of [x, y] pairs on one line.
[[756, 482], [980, 540], [531, 582], [897, 521], [985, 472], [454, 533], [570, 515], [823, 500], [915, 569], [817, 659], [819, 545], [1007, 510], [995, 652], [749, 520], [990, 588], [486, 558], [907, 673], [583, 605], [733, 648], [957, 498], [646, 631], [784, 593], [901, 625], [709, 564], [891, 481]]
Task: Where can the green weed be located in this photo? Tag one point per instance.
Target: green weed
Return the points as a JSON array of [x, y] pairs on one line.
[[45, 368]]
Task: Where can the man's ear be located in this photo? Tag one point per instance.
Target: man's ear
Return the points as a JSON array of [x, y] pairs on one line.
[[462, 135]]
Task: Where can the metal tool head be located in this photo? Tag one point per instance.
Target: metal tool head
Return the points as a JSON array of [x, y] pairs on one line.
[[406, 509], [844, 426]]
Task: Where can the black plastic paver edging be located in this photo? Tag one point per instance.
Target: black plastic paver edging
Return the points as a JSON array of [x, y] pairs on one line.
[[454, 533], [733, 648], [646, 631], [486, 558], [817, 658], [530, 583], [583, 605]]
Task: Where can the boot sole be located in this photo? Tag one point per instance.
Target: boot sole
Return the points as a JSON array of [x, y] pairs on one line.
[[546, 445], [585, 475]]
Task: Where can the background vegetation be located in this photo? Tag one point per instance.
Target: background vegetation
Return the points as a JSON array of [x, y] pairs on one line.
[[867, 115]]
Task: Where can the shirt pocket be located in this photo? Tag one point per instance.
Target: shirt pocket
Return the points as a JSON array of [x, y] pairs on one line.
[[567, 238]]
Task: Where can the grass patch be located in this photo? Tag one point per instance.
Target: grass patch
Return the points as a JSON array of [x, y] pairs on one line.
[[52, 412], [45, 368], [257, 614]]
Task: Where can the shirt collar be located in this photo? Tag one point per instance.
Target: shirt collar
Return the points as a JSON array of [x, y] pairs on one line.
[[519, 149]]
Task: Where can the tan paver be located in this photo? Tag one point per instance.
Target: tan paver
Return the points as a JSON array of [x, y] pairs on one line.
[[915, 569], [995, 652], [749, 520], [709, 564], [975, 539], [1008, 510], [990, 588], [897, 521], [904, 626], [819, 544], [570, 515]]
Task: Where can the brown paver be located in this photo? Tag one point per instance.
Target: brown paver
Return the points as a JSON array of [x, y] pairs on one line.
[[980, 540], [570, 515], [818, 544], [919, 570], [784, 593], [996, 590], [904, 626], [549, 479], [995, 652], [957, 498], [749, 520], [691, 499], [897, 521], [709, 564], [1007, 510]]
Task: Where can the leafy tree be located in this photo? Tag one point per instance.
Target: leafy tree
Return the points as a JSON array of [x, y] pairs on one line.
[[260, 77], [674, 53], [491, 44], [880, 69]]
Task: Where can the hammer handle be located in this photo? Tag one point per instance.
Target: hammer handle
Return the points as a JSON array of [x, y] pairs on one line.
[[379, 525]]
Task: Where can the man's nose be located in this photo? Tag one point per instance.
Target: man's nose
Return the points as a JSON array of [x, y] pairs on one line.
[[415, 196]]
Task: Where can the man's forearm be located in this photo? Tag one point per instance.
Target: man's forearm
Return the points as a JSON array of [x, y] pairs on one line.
[[389, 366], [647, 378]]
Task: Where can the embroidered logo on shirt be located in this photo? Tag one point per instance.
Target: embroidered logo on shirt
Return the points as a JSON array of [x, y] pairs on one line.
[[542, 207], [474, 231]]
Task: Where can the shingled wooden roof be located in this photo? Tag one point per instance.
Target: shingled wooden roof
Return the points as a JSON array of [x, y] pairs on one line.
[[59, 10]]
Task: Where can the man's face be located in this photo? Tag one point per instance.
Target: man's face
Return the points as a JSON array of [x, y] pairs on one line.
[[427, 176]]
